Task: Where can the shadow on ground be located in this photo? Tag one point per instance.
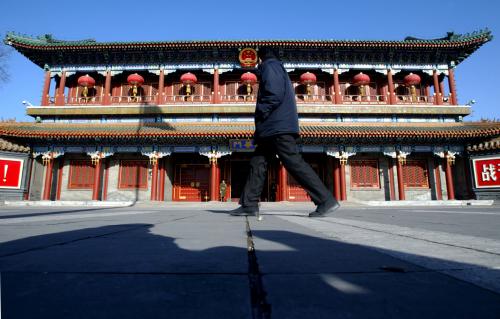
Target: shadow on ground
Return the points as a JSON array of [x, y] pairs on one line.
[[137, 271]]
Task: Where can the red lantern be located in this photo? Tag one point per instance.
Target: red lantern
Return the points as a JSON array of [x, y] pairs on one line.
[[86, 81], [361, 79], [308, 79], [412, 79], [249, 79], [135, 79], [188, 79]]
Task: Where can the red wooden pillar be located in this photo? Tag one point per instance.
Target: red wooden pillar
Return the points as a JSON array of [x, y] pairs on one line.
[[437, 174], [46, 89], [154, 181], [452, 86], [390, 83], [392, 191], [161, 195], [437, 91], [336, 87], [214, 186], [449, 179], [161, 87], [48, 179], [107, 89], [283, 178], [97, 180], [60, 89], [215, 99], [106, 179], [343, 191], [336, 179], [401, 185]]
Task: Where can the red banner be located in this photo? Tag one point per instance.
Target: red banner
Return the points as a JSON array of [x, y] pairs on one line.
[[486, 172], [11, 171]]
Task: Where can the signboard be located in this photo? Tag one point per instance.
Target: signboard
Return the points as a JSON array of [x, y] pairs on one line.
[[486, 172], [245, 145], [11, 171]]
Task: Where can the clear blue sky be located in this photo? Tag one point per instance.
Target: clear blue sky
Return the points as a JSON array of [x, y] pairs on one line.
[[477, 77]]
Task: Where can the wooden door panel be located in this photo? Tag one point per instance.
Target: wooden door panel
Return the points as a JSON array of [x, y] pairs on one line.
[[192, 183]]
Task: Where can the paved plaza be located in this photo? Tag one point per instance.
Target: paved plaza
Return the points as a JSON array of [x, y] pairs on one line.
[[193, 260]]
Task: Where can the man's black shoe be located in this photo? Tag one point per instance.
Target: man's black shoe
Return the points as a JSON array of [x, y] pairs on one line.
[[244, 211], [325, 209]]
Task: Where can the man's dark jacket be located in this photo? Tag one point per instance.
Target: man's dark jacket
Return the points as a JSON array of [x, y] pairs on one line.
[[276, 110]]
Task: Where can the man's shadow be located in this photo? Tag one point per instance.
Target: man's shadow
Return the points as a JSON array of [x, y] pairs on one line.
[[136, 271]]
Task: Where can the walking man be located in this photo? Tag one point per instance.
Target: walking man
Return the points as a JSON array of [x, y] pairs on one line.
[[276, 133]]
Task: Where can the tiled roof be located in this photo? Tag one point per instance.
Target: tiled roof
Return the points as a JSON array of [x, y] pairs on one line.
[[9, 146], [463, 130], [47, 42], [493, 144]]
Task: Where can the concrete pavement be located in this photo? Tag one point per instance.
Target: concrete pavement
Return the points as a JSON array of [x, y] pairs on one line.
[[195, 261]]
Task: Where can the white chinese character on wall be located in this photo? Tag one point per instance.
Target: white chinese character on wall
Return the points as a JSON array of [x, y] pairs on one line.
[[489, 173]]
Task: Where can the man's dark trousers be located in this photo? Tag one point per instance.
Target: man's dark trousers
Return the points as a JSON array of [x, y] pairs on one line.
[[285, 146]]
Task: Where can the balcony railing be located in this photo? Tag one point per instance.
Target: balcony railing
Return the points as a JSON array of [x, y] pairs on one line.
[[419, 99], [84, 100], [238, 98], [247, 99], [364, 99], [307, 98], [179, 99], [146, 99]]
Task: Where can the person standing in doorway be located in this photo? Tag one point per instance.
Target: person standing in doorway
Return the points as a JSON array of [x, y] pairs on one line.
[[276, 133], [222, 190]]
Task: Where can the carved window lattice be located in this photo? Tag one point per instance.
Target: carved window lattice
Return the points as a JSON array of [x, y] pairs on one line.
[[81, 174], [133, 174], [415, 173], [364, 174]]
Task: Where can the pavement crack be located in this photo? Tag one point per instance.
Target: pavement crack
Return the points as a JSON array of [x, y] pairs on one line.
[[261, 309]]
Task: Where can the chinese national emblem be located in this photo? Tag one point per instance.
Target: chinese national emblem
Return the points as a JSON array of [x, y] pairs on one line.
[[248, 57]]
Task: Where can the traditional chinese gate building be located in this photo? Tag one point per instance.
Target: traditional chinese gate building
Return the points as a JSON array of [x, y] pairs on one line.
[[168, 121]]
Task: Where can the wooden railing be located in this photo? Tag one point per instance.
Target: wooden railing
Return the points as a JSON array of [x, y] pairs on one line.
[[306, 98], [84, 100], [364, 99], [248, 99], [146, 99], [420, 99], [179, 99], [238, 98]]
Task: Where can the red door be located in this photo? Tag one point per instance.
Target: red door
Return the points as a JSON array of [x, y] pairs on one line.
[[191, 183], [295, 192]]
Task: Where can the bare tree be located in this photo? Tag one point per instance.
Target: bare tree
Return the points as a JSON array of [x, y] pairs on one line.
[[5, 52]]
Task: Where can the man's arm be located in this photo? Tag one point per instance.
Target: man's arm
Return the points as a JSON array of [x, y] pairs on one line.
[[272, 88]]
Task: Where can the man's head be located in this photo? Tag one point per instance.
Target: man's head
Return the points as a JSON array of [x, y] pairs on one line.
[[267, 53]]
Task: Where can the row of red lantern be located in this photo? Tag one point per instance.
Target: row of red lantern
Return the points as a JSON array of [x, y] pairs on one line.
[[248, 78]]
